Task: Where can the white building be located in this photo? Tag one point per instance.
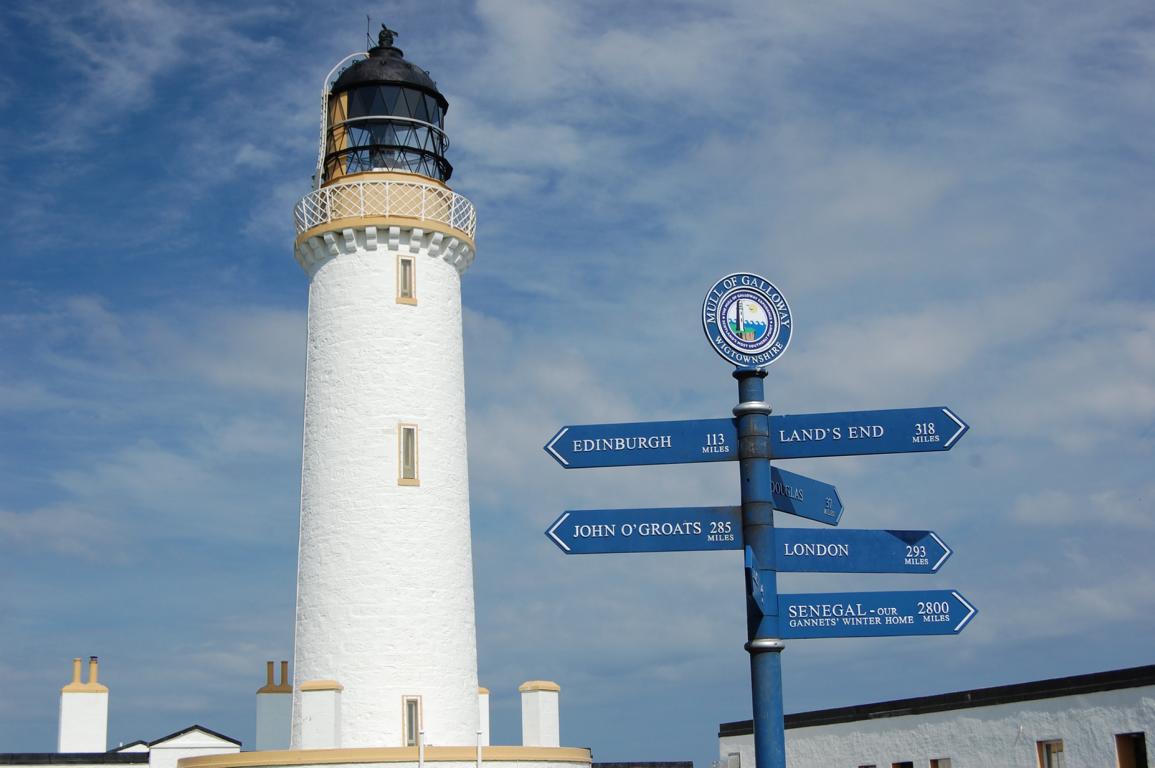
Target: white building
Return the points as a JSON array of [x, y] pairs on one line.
[[82, 738], [1101, 720]]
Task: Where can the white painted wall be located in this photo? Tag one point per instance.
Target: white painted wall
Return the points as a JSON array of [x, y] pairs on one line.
[[274, 714], [1001, 736], [83, 721], [385, 573], [195, 743]]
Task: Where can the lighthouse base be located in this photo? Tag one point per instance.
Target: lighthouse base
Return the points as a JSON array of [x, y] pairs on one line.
[[401, 757]]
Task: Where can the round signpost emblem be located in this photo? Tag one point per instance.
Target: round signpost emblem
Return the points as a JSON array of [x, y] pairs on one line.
[[747, 320]]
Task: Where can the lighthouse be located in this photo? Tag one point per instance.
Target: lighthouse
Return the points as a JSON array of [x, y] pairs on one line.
[[384, 632], [385, 648]]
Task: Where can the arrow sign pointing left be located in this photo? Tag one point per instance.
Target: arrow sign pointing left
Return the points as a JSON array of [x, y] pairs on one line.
[[806, 435], [645, 442], [685, 529], [670, 529]]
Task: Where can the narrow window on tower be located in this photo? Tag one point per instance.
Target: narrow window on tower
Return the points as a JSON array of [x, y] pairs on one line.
[[411, 719], [406, 280], [407, 455], [1051, 754]]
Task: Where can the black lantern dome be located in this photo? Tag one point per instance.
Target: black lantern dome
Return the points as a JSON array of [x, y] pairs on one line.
[[386, 114]]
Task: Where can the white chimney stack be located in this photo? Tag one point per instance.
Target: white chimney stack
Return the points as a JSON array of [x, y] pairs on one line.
[[539, 714], [483, 716], [83, 712], [274, 710], [320, 714]]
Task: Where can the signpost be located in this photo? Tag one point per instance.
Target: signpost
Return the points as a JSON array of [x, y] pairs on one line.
[[674, 529], [874, 614], [799, 495], [800, 436], [850, 551], [647, 442], [749, 323], [855, 433]]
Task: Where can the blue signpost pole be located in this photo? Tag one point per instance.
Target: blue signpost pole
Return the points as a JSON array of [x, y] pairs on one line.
[[765, 644]]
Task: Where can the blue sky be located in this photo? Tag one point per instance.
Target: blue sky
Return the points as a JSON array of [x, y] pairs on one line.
[[956, 198]]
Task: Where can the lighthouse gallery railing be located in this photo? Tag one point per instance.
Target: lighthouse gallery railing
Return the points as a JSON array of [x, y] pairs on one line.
[[360, 199]]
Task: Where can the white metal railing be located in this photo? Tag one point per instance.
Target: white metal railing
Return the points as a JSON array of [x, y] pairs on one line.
[[411, 199]]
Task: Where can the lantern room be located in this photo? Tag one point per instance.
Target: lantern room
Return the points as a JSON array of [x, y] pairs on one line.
[[385, 114]]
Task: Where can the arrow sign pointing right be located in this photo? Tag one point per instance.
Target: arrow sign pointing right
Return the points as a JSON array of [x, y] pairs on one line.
[[874, 614], [799, 495], [857, 433], [805, 550]]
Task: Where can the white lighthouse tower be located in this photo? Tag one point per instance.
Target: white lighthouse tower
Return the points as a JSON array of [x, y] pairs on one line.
[[385, 615], [385, 671]]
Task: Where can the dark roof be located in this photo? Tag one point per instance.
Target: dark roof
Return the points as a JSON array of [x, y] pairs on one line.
[[73, 758], [388, 66], [1075, 685], [129, 745], [183, 731], [678, 764]]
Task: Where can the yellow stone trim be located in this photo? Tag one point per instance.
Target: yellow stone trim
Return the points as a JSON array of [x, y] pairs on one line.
[[384, 222], [402, 428], [270, 685], [321, 685], [402, 258], [412, 178], [482, 690], [405, 720], [92, 686], [538, 685], [274, 758]]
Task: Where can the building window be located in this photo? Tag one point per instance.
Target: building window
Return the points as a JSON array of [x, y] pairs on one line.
[[734, 760], [906, 764], [1051, 754], [406, 280], [1131, 749], [411, 719], [940, 762], [407, 455]]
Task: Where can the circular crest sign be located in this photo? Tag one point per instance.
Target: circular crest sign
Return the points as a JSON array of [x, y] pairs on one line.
[[747, 320]]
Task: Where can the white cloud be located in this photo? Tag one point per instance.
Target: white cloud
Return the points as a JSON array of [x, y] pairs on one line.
[[119, 51], [64, 529], [1109, 508]]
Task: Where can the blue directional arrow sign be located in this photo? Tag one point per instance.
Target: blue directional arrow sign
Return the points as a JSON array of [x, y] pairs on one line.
[[854, 433], [808, 550], [799, 495], [673, 529], [754, 583], [845, 433], [873, 614], [647, 442]]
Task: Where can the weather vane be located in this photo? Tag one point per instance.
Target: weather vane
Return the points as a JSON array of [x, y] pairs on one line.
[[385, 37]]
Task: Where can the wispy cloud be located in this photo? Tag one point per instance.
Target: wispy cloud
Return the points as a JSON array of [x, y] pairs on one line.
[[64, 529]]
